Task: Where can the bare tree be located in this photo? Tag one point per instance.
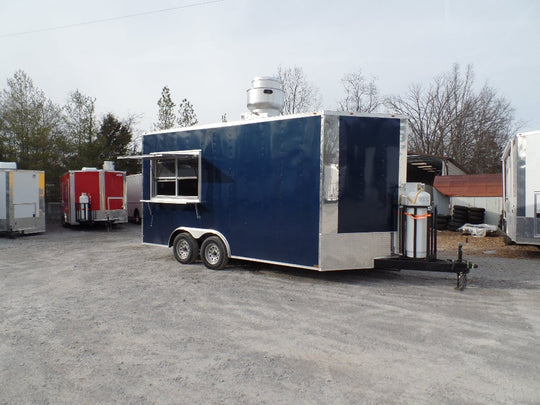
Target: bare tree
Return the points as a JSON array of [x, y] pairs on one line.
[[361, 94], [450, 119], [300, 95]]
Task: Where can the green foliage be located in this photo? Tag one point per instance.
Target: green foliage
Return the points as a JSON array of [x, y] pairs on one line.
[[80, 127], [114, 140], [186, 114], [37, 134], [166, 114], [30, 126]]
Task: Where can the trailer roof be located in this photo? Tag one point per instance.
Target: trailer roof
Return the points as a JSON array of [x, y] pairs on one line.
[[473, 185], [277, 118]]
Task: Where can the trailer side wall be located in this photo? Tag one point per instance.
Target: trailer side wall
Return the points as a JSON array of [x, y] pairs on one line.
[[260, 188], [23, 201], [521, 165]]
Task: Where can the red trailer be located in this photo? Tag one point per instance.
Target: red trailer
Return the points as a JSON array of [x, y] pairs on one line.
[[93, 195]]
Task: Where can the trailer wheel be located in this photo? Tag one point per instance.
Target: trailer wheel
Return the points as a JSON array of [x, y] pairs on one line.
[[136, 217], [185, 248], [214, 253]]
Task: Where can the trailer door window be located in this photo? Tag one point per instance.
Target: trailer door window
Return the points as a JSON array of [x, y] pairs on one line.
[[177, 178]]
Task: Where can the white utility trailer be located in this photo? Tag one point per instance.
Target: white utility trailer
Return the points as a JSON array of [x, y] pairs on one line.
[[521, 188], [134, 197], [22, 200]]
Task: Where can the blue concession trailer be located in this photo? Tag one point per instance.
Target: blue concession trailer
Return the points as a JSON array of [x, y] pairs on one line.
[[317, 191]]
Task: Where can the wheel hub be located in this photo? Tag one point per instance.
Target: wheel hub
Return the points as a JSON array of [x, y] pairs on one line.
[[183, 249], [212, 254]]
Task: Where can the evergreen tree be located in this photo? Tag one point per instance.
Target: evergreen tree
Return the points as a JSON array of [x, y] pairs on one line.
[[166, 114], [80, 126], [186, 114], [31, 132], [113, 139]]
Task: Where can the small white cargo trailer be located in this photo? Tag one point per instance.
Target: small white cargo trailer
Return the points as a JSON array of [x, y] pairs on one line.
[[134, 197], [521, 188], [22, 200]]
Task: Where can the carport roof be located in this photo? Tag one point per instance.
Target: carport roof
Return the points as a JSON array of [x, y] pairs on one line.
[[423, 168], [474, 185]]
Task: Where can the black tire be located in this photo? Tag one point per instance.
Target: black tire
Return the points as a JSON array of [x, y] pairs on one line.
[[453, 226], [476, 220], [476, 215], [137, 217], [458, 221], [185, 248], [213, 253]]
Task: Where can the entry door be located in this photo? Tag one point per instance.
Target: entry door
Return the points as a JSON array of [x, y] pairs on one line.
[[25, 194], [114, 190]]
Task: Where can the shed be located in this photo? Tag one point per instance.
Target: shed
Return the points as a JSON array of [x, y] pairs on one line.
[[475, 190]]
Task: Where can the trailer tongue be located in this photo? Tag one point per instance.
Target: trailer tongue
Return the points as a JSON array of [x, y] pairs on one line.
[[417, 233]]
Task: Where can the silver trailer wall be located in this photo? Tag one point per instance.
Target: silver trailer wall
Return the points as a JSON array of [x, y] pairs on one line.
[[521, 188], [134, 196], [367, 165], [22, 201]]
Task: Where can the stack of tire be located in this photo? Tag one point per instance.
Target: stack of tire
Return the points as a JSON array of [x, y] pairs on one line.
[[459, 217], [475, 215], [442, 222]]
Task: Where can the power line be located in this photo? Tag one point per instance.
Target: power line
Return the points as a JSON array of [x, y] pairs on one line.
[[62, 27]]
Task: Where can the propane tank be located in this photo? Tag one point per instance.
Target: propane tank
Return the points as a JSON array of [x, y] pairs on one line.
[[84, 207], [416, 205]]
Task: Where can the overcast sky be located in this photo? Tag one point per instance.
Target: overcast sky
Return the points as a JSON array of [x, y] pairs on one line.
[[208, 51]]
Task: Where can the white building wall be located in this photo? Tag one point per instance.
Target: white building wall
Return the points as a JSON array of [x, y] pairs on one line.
[[442, 202], [492, 205]]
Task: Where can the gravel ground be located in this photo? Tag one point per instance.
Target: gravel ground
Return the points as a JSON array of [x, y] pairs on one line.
[[90, 316]]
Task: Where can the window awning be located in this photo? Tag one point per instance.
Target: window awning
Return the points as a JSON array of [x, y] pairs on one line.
[[165, 154]]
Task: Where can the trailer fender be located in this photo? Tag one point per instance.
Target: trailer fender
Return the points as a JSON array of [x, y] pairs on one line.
[[200, 234]]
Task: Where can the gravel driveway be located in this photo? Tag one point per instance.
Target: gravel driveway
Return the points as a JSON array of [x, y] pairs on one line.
[[90, 316]]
